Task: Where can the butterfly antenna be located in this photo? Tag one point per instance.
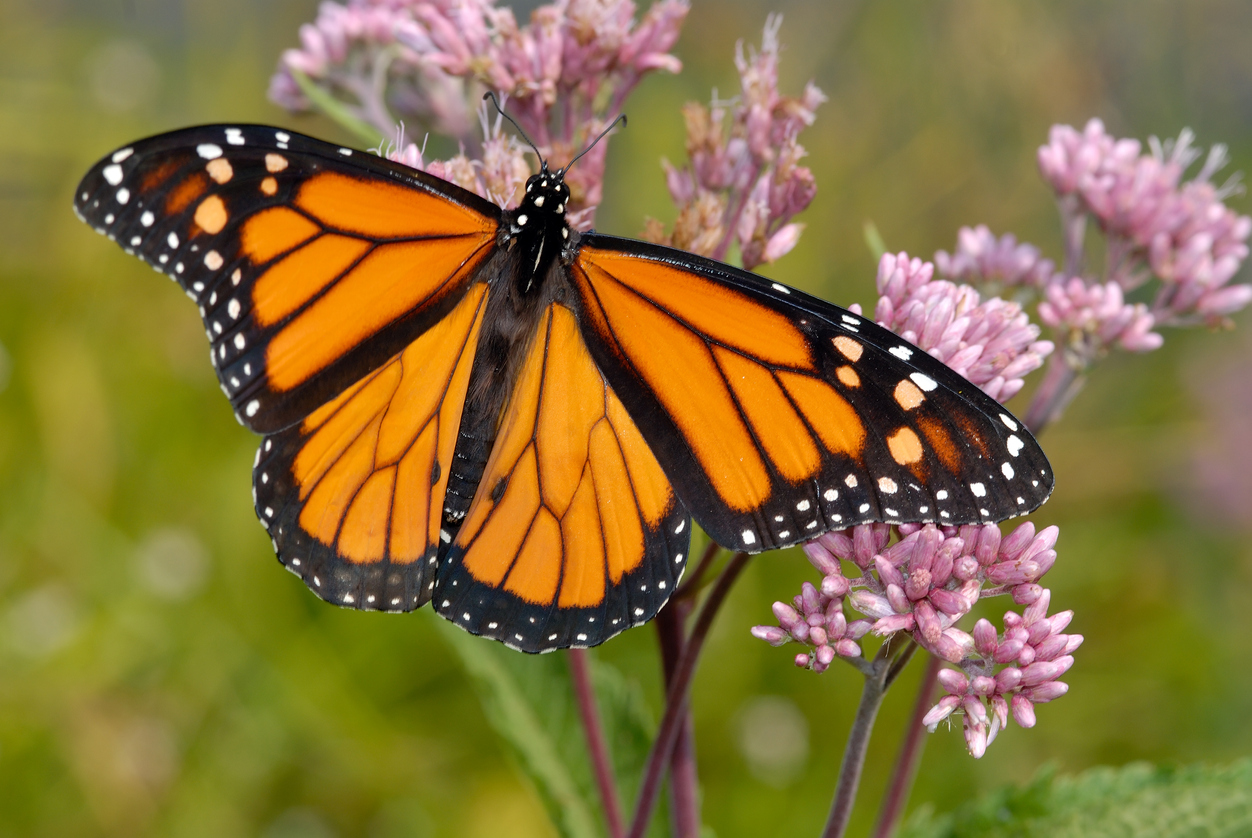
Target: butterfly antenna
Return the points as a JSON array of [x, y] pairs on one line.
[[621, 118], [500, 110]]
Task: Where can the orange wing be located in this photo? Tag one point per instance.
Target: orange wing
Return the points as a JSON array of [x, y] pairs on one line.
[[311, 264], [574, 533], [779, 416], [353, 496]]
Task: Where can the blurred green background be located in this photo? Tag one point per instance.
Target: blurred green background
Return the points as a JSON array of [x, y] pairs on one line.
[[160, 675]]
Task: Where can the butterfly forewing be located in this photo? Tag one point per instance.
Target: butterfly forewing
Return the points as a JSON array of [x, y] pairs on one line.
[[574, 533], [780, 417], [311, 264]]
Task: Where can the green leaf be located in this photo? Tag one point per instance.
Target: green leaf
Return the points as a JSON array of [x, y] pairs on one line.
[[338, 111], [529, 703], [1135, 800]]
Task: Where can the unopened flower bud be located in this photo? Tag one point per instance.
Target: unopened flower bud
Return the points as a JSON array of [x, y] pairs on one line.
[[772, 635], [1023, 710], [953, 680]]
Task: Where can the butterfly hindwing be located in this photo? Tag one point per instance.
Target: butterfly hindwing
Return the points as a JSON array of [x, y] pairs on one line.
[[311, 264], [779, 416], [353, 496], [575, 532]]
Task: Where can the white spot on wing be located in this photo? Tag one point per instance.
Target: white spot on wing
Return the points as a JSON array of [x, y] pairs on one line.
[[782, 288], [1008, 421], [887, 485], [123, 195], [924, 381], [147, 218], [749, 537], [1014, 445], [122, 154], [209, 151], [234, 136], [978, 489], [113, 174], [901, 352], [1007, 470]]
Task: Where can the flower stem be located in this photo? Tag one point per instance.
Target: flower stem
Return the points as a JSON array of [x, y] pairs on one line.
[[676, 697], [858, 745], [596, 745], [910, 756], [684, 781], [1060, 384]]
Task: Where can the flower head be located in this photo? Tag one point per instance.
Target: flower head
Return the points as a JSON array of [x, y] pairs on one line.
[[992, 343], [743, 182]]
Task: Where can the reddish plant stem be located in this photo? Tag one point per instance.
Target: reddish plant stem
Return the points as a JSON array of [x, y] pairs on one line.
[[684, 781], [597, 747], [858, 745], [910, 756], [676, 698]]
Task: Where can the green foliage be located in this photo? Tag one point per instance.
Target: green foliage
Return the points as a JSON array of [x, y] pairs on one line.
[[529, 702], [1138, 800]]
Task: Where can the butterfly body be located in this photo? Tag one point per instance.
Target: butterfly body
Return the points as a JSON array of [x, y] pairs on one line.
[[486, 409]]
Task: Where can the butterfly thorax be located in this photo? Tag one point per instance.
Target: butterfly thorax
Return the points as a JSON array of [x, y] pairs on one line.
[[537, 228]]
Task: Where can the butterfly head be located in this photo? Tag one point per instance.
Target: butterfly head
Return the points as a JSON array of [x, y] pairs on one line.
[[547, 197]]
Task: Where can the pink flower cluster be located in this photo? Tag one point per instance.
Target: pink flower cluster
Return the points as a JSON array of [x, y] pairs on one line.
[[991, 343], [566, 73], [1157, 224], [923, 584], [743, 182], [1096, 316], [1015, 670], [982, 258]]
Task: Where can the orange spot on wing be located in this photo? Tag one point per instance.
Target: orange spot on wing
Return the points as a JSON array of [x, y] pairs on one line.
[[537, 571], [219, 169], [582, 585], [848, 377], [211, 215], [908, 395], [941, 443], [273, 231], [275, 162], [154, 178], [781, 432], [390, 282], [299, 276], [678, 366], [714, 310], [269, 186], [904, 446], [385, 210], [830, 414], [363, 537], [183, 194], [849, 348]]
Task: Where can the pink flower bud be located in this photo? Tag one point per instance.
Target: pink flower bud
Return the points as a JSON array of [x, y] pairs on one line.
[[802, 661], [1008, 651], [976, 739], [1008, 679], [1026, 656], [1060, 621], [1023, 711], [974, 709], [835, 586], [1074, 641], [892, 624], [1038, 632], [847, 649], [836, 624], [927, 622], [948, 649], [949, 602], [899, 602], [985, 640], [1011, 547], [825, 654], [859, 628], [983, 685], [941, 710], [953, 680], [888, 573], [1027, 593], [812, 602], [819, 555], [817, 636], [1051, 648], [918, 584], [942, 568], [1040, 671], [786, 615], [966, 568], [1046, 692], [772, 635]]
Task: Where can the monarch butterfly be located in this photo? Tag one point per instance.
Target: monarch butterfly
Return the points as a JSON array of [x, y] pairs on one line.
[[491, 410]]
